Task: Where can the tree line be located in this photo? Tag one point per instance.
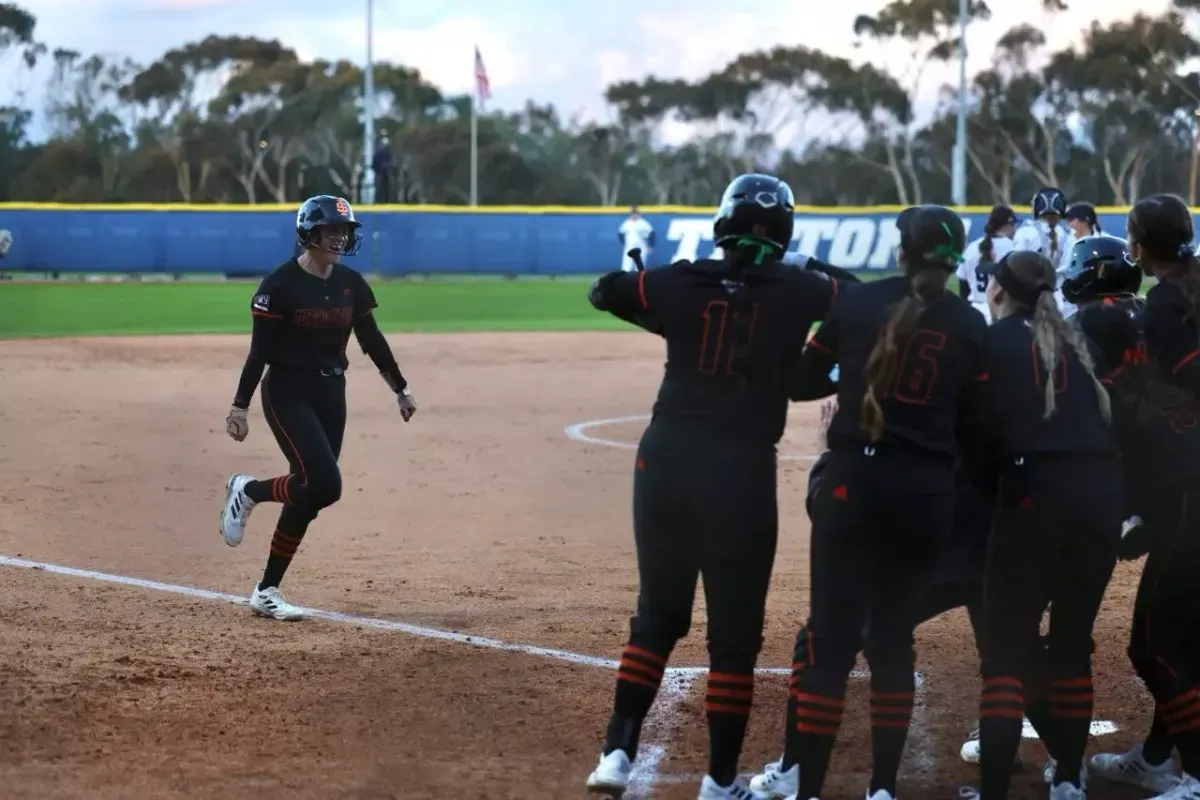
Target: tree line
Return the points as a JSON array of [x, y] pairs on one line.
[[230, 119]]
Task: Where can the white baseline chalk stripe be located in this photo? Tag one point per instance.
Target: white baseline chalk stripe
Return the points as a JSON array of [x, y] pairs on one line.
[[419, 631], [578, 432], [657, 732]]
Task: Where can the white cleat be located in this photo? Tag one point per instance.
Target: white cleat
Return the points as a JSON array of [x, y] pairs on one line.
[[611, 775], [1067, 791], [1188, 788], [738, 790], [1052, 767], [237, 509], [775, 783], [970, 750], [882, 794], [270, 602], [1132, 768]]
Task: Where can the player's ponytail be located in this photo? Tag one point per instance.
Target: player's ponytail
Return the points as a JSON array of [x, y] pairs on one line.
[[999, 217], [1051, 332], [927, 284]]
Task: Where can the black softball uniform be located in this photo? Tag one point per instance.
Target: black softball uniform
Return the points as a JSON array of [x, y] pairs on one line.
[[1172, 338], [302, 324], [705, 476], [704, 488], [1059, 511], [1158, 429], [881, 517]]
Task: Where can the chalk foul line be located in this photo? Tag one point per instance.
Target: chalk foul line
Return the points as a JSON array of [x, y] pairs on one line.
[[578, 432], [664, 718]]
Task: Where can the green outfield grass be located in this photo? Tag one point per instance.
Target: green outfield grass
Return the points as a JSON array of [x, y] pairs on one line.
[[69, 308]]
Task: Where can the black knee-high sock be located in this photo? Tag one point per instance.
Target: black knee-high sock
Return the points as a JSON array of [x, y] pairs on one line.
[[795, 682], [283, 549], [289, 532], [272, 490], [817, 720], [1001, 713], [727, 703], [892, 693], [1158, 745], [1071, 702], [1182, 718], [1038, 714], [638, 677]]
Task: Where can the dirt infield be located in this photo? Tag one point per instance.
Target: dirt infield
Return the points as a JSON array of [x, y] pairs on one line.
[[481, 516]]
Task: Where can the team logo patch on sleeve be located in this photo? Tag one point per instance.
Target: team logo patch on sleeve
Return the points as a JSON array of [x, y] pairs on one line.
[[262, 302]]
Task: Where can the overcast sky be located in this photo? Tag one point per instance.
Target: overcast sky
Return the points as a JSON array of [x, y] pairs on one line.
[[560, 51]]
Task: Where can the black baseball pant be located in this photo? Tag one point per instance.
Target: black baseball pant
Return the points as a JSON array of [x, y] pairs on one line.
[[881, 518], [1055, 539], [1164, 643], [704, 505], [306, 412]]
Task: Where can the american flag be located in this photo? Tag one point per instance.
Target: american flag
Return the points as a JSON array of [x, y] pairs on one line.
[[482, 86]]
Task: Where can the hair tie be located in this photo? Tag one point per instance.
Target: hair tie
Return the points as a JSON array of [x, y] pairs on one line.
[[1186, 250]]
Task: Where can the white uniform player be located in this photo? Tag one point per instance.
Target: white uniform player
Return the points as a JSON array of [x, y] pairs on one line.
[[969, 273], [635, 231], [1046, 234]]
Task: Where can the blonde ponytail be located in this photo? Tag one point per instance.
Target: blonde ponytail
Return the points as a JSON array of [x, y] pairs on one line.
[[1051, 333]]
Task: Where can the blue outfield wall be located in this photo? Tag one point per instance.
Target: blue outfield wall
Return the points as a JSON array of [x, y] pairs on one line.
[[250, 240]]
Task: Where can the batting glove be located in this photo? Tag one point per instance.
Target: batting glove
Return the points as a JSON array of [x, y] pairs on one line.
[[236, 424], [407, 403]]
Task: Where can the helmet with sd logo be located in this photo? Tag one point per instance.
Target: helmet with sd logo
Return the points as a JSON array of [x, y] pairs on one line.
[[325, 211]]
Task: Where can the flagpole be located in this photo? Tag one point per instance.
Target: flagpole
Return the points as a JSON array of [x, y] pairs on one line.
[[368, 181], [474, 150]]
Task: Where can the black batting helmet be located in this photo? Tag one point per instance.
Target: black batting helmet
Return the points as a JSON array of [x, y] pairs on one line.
[[758, 207], [1049, 200], [1099, 266], [933, 236], [321, 210]]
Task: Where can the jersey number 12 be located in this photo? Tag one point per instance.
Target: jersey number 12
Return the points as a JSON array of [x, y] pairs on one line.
[[721, 335]]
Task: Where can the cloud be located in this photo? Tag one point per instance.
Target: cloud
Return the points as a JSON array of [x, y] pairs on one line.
[[564, 53]]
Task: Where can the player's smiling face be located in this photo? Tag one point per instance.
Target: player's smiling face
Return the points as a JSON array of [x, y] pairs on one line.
[[333, 239]]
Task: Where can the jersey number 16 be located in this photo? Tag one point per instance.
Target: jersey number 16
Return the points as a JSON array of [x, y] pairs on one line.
[[917, 373]]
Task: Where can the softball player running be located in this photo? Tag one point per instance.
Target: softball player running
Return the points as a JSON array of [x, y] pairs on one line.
[[303, 314], [994, 245], [1059, 496], [907, 351], [704, 486]]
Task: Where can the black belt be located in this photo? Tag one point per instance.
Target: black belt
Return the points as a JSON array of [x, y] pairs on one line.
[[324, 372]]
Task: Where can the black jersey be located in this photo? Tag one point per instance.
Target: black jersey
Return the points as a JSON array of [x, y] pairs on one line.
[[315, 315], [1114, 325], [1016, 397], [731, 344], [934, 378], [1172, 339], [303, 322]]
